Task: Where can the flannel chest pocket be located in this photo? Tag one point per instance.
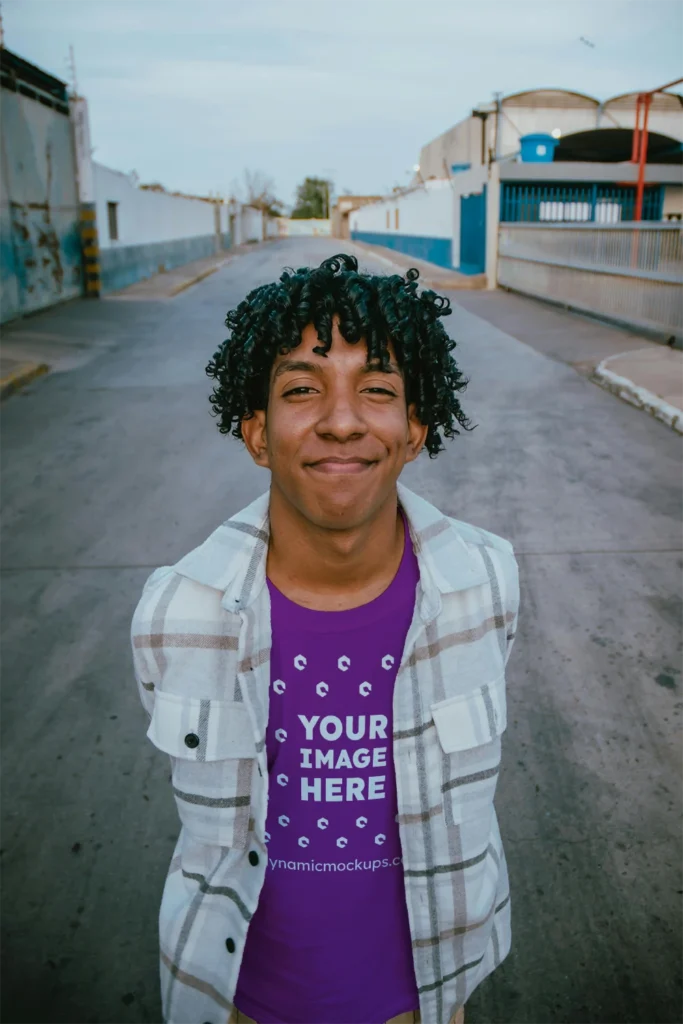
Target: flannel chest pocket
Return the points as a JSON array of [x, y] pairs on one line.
[[213, 754], [469, 728]]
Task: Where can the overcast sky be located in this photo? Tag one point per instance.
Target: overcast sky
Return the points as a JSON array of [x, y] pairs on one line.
[[191, 93]]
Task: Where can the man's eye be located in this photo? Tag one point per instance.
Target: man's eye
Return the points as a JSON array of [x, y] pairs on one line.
[[296, 391], [381, 391]]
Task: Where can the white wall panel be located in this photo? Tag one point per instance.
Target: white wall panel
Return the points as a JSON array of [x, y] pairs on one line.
[[145, 217]]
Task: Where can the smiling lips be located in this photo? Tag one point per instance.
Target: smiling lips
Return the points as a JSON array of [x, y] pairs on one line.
[[337, 465]]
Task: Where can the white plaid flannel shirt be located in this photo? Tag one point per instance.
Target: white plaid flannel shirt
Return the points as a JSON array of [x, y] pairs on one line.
[[201, 642]]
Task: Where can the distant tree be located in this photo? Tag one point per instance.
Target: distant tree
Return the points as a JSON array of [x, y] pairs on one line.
[[258, 190], [312, 199]]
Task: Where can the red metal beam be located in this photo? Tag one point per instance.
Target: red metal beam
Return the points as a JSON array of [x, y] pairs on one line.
[[661, 88], [639, 149], [635, 149]]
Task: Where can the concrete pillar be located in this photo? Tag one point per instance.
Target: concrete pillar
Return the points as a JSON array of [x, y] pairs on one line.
[[80, 122], [492, 225], [85, 180]]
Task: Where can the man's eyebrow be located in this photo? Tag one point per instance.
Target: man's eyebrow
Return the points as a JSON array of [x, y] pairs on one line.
[[288, 365], [376, 367], [301, 366]]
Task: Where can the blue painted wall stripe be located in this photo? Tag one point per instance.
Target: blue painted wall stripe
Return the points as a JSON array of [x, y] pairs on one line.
[[126, 264], [434, 250]]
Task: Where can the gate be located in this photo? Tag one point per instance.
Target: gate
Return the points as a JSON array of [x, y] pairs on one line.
[[40, 251], [473, 233]]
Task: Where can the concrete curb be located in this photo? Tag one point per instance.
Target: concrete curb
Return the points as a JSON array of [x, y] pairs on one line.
[[194, 280], [640, 397], [20, 377]]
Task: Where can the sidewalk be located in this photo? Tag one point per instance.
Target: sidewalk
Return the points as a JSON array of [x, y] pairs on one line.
[[430, 274], [28, 351], [650, 378], [645, 373], [171, 282], [16, 373]]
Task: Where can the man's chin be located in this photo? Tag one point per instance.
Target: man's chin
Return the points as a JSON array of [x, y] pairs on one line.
[[341, 507]]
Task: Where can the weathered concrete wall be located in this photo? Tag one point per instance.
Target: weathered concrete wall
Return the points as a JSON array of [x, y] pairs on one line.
[[249, 223], [10, 271], [154, 230], [144, 216], [288, 228], [418, 223], [40, 249], [126, 264]]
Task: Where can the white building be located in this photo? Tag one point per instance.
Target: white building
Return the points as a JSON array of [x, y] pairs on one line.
[[494, 130], [561, 156], [141, 230]]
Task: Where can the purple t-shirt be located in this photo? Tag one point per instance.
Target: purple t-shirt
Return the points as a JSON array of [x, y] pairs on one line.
[[330, 941]]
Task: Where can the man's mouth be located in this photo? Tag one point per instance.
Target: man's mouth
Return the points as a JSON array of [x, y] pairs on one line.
[[335, 464]]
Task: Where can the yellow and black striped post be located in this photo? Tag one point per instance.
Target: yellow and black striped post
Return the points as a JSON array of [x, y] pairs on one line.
[[91, 250]]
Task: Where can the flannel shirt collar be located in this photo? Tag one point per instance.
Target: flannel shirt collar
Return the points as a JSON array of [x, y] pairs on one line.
[[233, 558]]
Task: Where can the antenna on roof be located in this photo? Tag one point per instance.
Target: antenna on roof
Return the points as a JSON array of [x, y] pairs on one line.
[[72, 70]]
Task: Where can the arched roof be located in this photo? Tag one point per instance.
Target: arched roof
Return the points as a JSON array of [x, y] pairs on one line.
[[557, 98], [660, 101]]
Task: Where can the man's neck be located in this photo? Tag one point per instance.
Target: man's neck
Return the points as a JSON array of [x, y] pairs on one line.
[[332, 570]]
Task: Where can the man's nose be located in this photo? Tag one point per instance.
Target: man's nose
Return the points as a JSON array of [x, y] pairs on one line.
[[342, 416]]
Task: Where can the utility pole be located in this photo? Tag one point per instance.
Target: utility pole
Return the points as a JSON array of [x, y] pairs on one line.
[[327, 171], [498, 97], [2, 31]]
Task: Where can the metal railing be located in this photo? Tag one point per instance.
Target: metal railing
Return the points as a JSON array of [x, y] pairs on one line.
[[631, 273], [600, 203]]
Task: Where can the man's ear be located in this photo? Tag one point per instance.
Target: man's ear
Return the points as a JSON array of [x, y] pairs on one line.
[[254, 434], [417, 434]]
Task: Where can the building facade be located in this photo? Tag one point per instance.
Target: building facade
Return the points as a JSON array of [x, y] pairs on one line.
[[40, 243]]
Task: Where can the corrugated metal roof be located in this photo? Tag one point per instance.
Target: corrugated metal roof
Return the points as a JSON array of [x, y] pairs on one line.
[[550, 98], [19, 75]]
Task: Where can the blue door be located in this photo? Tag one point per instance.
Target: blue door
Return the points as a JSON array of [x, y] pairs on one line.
[[473, 233]]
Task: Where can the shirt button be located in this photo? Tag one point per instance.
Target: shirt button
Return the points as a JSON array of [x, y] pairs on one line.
[[230, 945], [253, 858], [192, 740]]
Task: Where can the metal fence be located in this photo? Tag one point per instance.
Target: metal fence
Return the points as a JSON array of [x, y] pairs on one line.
[[631, 273], [569, 202]]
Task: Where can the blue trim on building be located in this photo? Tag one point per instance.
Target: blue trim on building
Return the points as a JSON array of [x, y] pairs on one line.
[[123, 265], [473, 233], [422, 247]]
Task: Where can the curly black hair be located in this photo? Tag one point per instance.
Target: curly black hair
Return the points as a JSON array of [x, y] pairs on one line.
[[372, 309]]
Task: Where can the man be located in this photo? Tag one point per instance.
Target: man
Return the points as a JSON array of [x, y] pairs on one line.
[[327, 673]]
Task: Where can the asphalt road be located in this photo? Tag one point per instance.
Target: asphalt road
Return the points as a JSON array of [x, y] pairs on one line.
[[115, 466]]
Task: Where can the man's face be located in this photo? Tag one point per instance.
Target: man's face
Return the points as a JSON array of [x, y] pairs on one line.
[[336, 433]]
